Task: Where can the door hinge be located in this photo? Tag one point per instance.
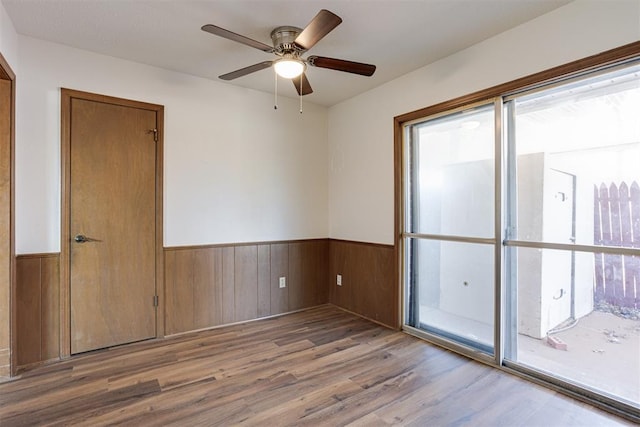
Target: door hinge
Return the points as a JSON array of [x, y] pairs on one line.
[[155, 300], [155, 134]]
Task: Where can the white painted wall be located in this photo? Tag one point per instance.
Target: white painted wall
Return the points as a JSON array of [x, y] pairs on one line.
[[361, 129], [235, 170], [8, 39]]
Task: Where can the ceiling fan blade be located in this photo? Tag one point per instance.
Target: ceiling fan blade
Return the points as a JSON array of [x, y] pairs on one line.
[[246, 70], [320, 26], [213, 29], [305, 89], [342, 65]]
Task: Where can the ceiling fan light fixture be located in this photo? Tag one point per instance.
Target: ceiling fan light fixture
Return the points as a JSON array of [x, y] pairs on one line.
[[289, 44], [289, 68]]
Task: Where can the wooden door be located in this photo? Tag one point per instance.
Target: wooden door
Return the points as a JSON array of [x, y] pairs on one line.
[[112, 224]]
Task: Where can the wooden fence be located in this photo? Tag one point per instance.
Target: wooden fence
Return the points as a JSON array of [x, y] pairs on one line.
[[617, 223]]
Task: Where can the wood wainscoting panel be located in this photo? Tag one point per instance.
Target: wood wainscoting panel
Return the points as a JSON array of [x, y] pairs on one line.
[[339, 295], [369, 286], [207, 299], [179, 299], [207, 286], [228, 284], [193, 289], [28, 310], [315, 264], [50, 307], [38, 308], [308, 274], [279, 268], [294, 279], [246, 283], [264, 280]]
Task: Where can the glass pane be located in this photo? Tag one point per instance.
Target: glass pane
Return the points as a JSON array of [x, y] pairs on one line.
[[578, 150], [451, 288], [578, 318], [451, 182]]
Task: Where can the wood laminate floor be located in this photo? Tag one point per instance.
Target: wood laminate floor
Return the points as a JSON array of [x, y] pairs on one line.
[[318, 367]]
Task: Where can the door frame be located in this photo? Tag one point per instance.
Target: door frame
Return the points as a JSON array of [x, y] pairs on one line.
[[66, 96], [6, 73]]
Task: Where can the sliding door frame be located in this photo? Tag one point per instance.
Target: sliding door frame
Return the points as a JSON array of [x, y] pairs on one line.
[[410, 174]]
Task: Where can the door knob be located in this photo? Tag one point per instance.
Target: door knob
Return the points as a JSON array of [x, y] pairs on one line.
[[81, 239]]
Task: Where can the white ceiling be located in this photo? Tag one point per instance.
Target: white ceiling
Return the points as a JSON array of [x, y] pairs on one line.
[[398, 36]]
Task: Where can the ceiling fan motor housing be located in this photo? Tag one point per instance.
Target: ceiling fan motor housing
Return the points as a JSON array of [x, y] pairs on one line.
[[283, 39]]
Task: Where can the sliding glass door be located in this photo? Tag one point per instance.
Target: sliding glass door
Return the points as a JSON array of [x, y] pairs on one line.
[[450, 226], [574, 243], [521, 231]]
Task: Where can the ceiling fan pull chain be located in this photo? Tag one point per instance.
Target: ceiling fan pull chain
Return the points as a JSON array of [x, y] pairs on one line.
[[300, 94], [275, 93]]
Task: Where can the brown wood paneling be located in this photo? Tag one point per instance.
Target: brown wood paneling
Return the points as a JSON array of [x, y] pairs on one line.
[[50, 307], [37, 308], [339, 265], [6, 357], [169, 284], [369, 286], [377, 285], [279, 268], [212, 285], [197, 280], [228, 285], [193, 288], [308, 270], [264, 280], [28, 306], [179, 291], [315, 266], [184, 290], [323, 272], [246, 283], [295, 278], [206, 304], [216, 310]]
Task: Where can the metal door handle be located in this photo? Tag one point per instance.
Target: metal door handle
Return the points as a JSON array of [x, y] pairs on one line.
[[81, 239]]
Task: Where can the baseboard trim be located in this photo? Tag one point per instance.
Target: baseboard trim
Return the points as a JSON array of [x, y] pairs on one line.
[[225, 325], [377, 322]]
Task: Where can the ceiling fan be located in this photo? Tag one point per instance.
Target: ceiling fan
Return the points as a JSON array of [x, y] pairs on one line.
[[289, 43]]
